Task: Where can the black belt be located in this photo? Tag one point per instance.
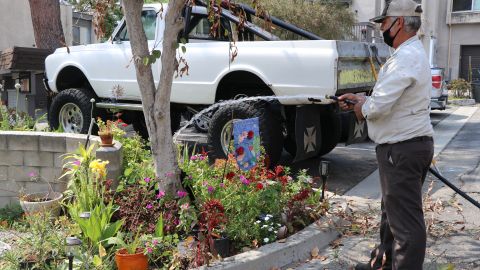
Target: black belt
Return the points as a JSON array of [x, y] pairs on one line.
[[415, 139], [419, 139]]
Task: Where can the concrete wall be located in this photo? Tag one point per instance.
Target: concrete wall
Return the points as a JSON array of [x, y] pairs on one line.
[[41, 153], [16, 24]]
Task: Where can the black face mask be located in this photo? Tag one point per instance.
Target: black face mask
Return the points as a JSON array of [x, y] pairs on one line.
[[386, 35]]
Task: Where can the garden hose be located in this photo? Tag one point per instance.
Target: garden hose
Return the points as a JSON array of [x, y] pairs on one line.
[[433, 169]]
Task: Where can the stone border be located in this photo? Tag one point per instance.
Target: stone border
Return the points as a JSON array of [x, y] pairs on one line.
[[297, 247], [23, 152]]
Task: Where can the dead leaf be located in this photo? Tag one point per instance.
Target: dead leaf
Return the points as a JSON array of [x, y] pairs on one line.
[[282, 241], [314, 252]]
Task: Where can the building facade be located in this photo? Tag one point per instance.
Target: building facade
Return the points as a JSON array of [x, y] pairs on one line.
[[450, 33], [21, 63]]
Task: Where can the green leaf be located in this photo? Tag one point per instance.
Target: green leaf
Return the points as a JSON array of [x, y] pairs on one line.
[[127, 171], [146, 60], [183, 41], [97, 261], [152, 59], [159, 226], [176, 45], [156, 53], [184, 49]]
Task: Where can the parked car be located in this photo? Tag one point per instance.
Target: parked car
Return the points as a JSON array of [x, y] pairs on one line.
[[439, 92]]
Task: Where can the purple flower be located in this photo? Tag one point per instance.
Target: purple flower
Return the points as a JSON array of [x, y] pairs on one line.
[[155, 242], [244, 180], [149, 206], [193, 158], [77, 162], [222, 185], [160, 194], [181, 193], [147, 179], [210, 189], [169, 174], [32, 174], [202, 158]]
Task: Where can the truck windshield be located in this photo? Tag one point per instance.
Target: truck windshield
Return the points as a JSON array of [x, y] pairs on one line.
[[149, 20]]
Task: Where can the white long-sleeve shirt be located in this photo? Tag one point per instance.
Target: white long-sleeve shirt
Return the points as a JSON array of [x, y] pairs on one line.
[[399, 107]]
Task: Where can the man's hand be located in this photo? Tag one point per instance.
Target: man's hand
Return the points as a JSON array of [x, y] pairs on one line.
[[348, 102]]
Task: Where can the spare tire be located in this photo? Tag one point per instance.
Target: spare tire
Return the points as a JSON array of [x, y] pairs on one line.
[[270, 127]]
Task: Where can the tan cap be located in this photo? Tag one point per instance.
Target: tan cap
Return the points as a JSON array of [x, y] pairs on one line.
[[399, 8]]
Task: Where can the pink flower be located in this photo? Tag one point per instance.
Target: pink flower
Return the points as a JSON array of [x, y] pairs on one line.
[[193, 158], [169, 174], [205, 183], [149, 206], [202, 158], [155, 242], [32, 174], [181, 193], [184, 206], [160, 194], [210, 189], [244, 180], [222, 185], [77, 162], [147, 179], [149, 250]]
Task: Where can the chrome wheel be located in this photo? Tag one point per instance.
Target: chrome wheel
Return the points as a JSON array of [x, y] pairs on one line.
[[71, 118], [226, 136]]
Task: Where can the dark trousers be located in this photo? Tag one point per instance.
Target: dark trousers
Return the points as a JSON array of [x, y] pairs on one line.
[[403, 167]]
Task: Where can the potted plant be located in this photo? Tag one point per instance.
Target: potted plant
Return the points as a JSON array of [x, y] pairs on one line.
[[105, 132], [41, 201], [130, 254]]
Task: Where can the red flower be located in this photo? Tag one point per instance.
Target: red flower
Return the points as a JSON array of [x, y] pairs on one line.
[[259, 186], [230, 175], [240, 151], [279, 170], [120, 120], [250, 135], [124, 125]]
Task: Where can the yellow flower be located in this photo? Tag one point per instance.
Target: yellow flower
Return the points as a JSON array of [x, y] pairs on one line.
[[98, 167]]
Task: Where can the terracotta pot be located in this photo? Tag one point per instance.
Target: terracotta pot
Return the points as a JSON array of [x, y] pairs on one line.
[[106, 138], [125, 261]]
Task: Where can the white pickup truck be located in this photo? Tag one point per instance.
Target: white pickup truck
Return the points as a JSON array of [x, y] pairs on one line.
[[303, 72]]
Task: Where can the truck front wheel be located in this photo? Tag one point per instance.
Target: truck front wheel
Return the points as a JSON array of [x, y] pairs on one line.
[[71, 111], [270, 127]]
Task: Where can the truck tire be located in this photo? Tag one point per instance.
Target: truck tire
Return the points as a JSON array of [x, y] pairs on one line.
[[71, 111], [270, 126]]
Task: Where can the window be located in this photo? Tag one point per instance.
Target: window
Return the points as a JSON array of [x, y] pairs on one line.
[[466, 5], [200, 29], [149, 21]]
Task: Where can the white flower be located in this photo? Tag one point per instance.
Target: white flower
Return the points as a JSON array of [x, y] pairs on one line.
[[275, 232], [270, 229], [267, 218], [279, 225], [258, 221], [265, 240], [264, 226]]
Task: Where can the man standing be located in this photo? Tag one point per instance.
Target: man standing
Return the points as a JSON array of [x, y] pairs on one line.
[[398, 119]]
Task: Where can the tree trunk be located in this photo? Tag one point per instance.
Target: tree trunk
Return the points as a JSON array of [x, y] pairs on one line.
[[156, 102], [47, 26]]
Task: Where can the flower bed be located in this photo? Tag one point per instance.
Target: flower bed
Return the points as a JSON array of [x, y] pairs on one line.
[[223, 210]]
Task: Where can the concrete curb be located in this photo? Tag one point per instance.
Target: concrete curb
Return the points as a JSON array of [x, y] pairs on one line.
[[296, 248]]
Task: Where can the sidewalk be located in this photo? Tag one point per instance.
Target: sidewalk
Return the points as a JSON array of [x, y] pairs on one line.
[[453, 223]]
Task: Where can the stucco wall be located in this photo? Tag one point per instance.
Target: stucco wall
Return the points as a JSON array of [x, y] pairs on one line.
[[16, 24], [40, 153]]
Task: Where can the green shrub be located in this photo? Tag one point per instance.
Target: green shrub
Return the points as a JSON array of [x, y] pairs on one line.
[[460, 87], [327, 19]]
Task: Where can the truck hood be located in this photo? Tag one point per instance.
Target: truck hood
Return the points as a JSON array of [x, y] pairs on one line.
[[88, 47]]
